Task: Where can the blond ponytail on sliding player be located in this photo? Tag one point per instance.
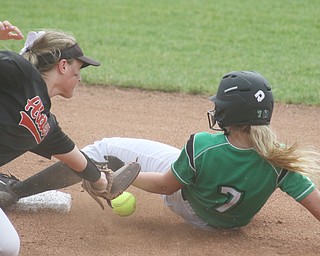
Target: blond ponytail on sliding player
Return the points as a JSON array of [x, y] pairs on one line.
[[290, 157]]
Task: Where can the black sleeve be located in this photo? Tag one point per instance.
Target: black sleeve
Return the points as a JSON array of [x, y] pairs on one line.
[[55, 143], [189, 150]]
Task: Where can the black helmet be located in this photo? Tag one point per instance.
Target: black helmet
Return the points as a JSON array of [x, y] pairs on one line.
[[243, 98]]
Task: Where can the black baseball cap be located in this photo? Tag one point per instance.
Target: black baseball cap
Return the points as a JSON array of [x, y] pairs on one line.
[[75, 52]]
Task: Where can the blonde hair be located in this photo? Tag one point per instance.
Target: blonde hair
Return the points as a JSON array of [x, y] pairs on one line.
[[51, 43], [290, 157]]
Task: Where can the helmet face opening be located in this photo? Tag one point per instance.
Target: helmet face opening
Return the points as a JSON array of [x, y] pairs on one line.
[[243, 98]]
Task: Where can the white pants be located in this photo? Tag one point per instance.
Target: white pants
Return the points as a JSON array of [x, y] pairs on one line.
[[9, 239], [153, 157]]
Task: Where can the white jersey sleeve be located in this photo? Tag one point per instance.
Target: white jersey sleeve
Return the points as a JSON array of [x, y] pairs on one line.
[[153, 156]]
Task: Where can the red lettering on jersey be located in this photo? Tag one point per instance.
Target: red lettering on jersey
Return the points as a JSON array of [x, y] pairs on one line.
[[27, 122], [35, 122]]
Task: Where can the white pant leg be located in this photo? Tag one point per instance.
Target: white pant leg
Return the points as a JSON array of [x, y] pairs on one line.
[[178, 205], [9, 238], [153, 156]]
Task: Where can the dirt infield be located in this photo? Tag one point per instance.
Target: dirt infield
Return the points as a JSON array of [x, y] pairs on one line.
[[282, 227]]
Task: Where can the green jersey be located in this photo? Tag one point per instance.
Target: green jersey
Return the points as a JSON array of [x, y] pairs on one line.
[[225, 185]]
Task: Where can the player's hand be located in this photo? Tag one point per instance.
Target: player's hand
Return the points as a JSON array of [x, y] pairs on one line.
[[8, 31]]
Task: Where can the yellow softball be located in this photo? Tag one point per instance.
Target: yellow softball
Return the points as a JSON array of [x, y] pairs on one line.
[[124, 205]]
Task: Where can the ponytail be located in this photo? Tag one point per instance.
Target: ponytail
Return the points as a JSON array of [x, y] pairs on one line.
[[290, 157]]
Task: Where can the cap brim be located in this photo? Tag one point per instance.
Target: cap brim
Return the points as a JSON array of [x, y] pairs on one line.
[[88, 61]]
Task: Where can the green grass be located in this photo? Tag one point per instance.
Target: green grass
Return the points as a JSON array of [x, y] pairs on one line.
[[187, 45]]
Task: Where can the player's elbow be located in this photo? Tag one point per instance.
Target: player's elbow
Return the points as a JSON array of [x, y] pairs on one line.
[[168, 191], [169, 183]]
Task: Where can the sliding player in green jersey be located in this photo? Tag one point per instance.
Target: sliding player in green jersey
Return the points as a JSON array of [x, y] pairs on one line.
[[223, 179]]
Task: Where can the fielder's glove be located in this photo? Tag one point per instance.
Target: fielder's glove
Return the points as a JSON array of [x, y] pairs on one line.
[[118, 182]]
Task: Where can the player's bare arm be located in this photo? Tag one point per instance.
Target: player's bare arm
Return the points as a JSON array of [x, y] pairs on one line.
[[74, 159], [159, 183], [312, 203]]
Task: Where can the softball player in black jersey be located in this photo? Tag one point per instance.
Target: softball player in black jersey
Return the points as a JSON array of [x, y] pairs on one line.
[[48, 65]]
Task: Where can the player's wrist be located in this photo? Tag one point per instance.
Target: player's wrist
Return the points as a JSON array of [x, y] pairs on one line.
[[101, 183]]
